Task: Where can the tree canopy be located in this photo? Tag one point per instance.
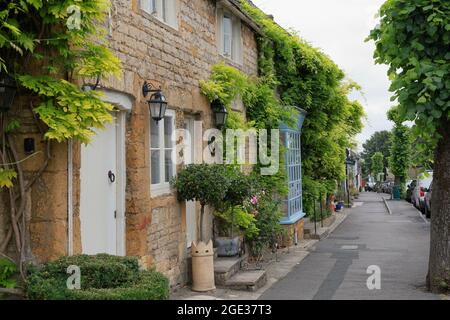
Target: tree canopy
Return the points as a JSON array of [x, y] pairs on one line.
[[400, 148], [378, 166], [413, 39], [378, 142]]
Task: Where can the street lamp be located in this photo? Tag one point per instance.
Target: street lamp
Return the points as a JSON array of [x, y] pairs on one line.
[[8, 90], [157, 102], [220, 113]]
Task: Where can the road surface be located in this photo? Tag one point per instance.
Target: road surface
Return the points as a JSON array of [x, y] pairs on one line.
[[337, 267]]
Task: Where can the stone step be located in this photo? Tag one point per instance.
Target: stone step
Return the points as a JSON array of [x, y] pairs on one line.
[[247, 280], [225, 268]]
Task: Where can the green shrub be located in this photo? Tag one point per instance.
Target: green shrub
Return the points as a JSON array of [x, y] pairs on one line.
[[267, 212], [7, 270], [103, 277]]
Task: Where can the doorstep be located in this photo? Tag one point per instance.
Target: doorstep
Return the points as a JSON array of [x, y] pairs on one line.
[[247, 280]]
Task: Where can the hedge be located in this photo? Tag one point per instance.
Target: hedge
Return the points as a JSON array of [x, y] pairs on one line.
[[103, 277]]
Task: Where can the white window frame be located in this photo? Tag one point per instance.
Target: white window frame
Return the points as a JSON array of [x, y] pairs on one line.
[[236, 54], [162, 187], [165, 11], [227, 37]]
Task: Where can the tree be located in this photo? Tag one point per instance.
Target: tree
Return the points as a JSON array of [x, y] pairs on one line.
[[207, 184], [413, 39], [400, 149], [378, 166], [378, 142]]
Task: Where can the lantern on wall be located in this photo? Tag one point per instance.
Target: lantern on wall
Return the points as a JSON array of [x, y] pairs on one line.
[[220, 113], [8, 90], [157, 102]]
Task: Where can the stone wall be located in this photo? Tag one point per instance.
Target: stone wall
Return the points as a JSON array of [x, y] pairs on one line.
[[177, 59], [46, 207]]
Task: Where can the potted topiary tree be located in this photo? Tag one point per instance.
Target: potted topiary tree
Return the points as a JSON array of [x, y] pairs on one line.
[[208, 185], [239, 189]]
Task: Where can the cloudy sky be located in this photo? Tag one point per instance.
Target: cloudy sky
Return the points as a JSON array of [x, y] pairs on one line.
[[339, 28]]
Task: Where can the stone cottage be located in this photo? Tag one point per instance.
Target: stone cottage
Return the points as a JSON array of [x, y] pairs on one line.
[[113, 196]]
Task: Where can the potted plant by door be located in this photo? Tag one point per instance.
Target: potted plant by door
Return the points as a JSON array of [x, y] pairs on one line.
[[239, 189], [208, 185]]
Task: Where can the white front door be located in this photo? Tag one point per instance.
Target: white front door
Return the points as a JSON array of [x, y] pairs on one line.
[[191, 212], [99, 192]]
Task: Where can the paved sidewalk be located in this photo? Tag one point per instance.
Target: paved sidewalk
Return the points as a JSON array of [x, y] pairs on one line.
[[337, 267], [288, 259]]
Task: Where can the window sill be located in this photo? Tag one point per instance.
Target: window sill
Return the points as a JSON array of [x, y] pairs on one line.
[[163, 190], [231, 61], [161, 23]]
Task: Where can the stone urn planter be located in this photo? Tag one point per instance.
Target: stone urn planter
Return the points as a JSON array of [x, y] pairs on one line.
[[203, 266]]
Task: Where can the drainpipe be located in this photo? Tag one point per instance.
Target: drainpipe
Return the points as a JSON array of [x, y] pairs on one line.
[[70, 197]]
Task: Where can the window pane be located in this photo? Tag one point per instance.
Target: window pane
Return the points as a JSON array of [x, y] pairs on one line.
[[168, 130], [168, 165], [155, 167], [227, 35], [154, 133], [164, 10]]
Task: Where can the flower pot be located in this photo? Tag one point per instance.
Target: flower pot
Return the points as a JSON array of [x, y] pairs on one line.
[[227, 247], [203, 266]]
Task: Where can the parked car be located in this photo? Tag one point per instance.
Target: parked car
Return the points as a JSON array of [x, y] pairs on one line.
[[370, 186], [418, 195], [427, 202], [388, 186], [378, 187]]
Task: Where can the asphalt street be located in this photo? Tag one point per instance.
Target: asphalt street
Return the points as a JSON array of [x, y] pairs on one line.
[[337, 267]]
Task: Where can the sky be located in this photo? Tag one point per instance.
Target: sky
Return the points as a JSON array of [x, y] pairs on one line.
[[339, 28]]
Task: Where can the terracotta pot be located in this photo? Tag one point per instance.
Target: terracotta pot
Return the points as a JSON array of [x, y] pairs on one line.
[[203, 266]]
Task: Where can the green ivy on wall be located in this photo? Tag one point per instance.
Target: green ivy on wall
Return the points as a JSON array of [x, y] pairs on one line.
[[263, 111], [303, 76]]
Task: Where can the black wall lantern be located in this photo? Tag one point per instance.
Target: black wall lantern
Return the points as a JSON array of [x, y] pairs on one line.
[[212, 146], [220, 113], [157, 102], [28, 146], [7, 92], [91, 87]]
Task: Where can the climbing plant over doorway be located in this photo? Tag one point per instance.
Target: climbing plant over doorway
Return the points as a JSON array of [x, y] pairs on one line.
[[45, 46]]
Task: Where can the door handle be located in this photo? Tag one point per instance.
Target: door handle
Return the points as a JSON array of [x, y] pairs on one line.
[[111, 176]]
